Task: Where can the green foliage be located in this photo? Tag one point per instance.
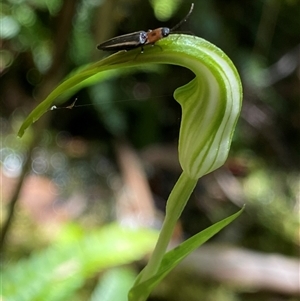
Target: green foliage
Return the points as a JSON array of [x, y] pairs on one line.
[[114, 285], [266, 191], [22, 26], [58, 272], [163, 9], [172, 258]]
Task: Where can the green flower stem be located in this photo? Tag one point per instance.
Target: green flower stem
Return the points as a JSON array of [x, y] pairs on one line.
[[175, 205]]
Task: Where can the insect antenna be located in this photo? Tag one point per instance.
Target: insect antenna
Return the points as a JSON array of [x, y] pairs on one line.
[[184, 19]]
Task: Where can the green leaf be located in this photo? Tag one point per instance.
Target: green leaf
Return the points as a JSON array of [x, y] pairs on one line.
[[114, 285], [172, 258], [56, 273]]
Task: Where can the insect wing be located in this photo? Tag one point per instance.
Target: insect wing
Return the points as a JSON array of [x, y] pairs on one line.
[[125, 42]]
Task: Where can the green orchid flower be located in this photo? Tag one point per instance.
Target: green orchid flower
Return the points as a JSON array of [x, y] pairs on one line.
[[211, 105]]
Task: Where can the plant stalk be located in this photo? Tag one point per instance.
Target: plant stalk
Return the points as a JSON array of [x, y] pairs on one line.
[[175, 205]]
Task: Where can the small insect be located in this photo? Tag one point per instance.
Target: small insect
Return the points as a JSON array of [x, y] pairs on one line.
[[140, 38], [71, 106]]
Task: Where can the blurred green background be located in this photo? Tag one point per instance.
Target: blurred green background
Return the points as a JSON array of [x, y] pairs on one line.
[[113, 157]]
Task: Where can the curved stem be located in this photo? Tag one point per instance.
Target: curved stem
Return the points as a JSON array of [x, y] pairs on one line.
[[175, 205]]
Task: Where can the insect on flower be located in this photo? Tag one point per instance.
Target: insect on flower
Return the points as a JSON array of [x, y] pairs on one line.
[[140, 38]]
